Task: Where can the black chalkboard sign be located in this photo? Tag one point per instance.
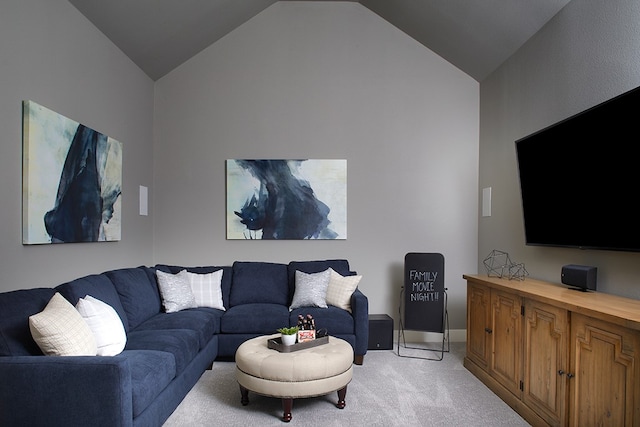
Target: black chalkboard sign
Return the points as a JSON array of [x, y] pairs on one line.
[[424, 292]]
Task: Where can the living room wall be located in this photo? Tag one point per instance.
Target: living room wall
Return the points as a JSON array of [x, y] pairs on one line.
[[52, 55], [322, 80], [586, 54]]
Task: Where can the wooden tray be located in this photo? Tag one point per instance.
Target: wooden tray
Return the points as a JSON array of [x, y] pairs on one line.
[[276, 344]]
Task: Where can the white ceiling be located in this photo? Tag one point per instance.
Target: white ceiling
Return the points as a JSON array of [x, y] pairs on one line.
[[474, 35]]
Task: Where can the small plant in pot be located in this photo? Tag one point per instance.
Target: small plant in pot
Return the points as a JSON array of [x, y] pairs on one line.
[[288, 335]]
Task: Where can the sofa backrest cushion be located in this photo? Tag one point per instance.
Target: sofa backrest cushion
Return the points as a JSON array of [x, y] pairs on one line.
[[138, 291], [15, 309], [225, 284], [340, 266], [259, 282], [98, 286]]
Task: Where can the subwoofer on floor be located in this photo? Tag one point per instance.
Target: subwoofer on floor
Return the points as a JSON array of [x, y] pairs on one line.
[[380, 332]]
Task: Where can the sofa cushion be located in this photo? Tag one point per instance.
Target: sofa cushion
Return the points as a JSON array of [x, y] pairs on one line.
[[181, 343], [340, 289], [59, 330], [204, 321], [311, 289], [151, 372], [98, 286], [16, 307], [225, 283], [175, 292], [254, 319], [259, 282], [335, 320], [138, 293], [105, 325]]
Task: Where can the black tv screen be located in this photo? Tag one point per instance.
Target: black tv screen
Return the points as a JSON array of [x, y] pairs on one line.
[[580, 180]]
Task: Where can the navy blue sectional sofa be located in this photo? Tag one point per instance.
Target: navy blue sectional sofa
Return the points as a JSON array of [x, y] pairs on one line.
[[165, 353]]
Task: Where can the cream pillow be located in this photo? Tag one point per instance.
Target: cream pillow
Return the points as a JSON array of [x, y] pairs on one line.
[[340, 289], [175, 291], [206, 288], [105, 324], [59, 330]]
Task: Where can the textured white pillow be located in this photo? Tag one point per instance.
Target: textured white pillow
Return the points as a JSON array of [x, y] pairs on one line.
[[206, 288], [175, 291], [105, 324], [311, 289], [59, 330], [340, 290]]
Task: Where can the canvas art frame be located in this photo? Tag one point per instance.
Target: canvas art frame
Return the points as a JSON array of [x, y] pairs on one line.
[[286, 199], [72, 180]]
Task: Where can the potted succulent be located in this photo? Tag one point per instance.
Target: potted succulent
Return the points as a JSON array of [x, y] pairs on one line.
[[288, 335]]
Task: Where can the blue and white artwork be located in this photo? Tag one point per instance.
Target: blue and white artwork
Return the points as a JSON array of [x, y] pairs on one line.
[[72, 180], [287, 199]]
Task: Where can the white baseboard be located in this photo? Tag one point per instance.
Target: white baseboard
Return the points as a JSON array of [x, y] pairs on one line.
[[455, 335]]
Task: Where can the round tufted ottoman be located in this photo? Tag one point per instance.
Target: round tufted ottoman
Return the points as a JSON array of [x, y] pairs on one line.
[[311, 372]]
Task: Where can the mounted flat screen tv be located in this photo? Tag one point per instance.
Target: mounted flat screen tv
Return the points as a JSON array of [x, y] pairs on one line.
[[580, 179]]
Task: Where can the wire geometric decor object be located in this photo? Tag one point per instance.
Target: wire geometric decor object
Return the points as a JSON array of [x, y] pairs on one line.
[[499, 264]]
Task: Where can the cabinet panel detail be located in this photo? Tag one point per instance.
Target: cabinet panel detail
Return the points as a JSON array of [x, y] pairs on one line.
[[506, 361], [602, 392], [546, 361], [478, 324]]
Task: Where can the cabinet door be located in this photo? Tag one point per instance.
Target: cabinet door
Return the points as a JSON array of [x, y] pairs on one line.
[[478, 324], [546, 361], [604, 388], [506, 340]]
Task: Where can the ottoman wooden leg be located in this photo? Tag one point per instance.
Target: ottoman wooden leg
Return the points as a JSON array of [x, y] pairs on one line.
[[342, 393], [287, 405], [244, 396]]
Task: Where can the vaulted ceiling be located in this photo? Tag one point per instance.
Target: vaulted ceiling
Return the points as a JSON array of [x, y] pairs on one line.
[[474, 35]]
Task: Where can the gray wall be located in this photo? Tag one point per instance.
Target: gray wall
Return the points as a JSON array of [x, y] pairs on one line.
[[324, 80], [52, 55], [588, 53]]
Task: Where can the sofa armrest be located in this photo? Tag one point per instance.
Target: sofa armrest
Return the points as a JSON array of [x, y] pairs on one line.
[[360, 312], [52, 390]]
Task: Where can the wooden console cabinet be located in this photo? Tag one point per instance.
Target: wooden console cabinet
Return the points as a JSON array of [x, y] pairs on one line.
[[556, 355]]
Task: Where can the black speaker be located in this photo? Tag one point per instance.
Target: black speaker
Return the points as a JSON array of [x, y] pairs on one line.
[[582, 277], [380, 332]]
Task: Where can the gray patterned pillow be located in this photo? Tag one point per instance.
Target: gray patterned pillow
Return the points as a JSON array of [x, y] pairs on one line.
[[175, 291], [311, 289]]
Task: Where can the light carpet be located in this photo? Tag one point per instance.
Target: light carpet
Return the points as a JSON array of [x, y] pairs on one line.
[[387, 390]]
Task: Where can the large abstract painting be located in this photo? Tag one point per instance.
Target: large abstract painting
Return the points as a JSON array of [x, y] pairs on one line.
[[286, 199], [72, 180]]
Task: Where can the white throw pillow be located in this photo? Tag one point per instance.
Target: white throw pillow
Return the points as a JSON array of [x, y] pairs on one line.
[[175, 291], [105, 324], [311, 289], [59, 330], [206, 288], [340, 290]]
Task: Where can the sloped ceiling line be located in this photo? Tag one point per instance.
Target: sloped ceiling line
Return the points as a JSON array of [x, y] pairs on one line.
[[474, 35]]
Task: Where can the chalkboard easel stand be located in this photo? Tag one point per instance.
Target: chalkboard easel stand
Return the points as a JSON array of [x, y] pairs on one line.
[[445, 334], [423, 301]]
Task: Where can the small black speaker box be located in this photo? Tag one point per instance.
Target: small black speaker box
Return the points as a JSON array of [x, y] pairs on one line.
[[580, 276], [380, 332]]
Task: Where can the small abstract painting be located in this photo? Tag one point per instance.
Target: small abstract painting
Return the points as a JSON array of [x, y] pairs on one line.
[[286, 199], [72, 180]]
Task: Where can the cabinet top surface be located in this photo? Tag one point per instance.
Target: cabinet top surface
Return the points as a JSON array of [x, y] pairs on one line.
[[624, 311]]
